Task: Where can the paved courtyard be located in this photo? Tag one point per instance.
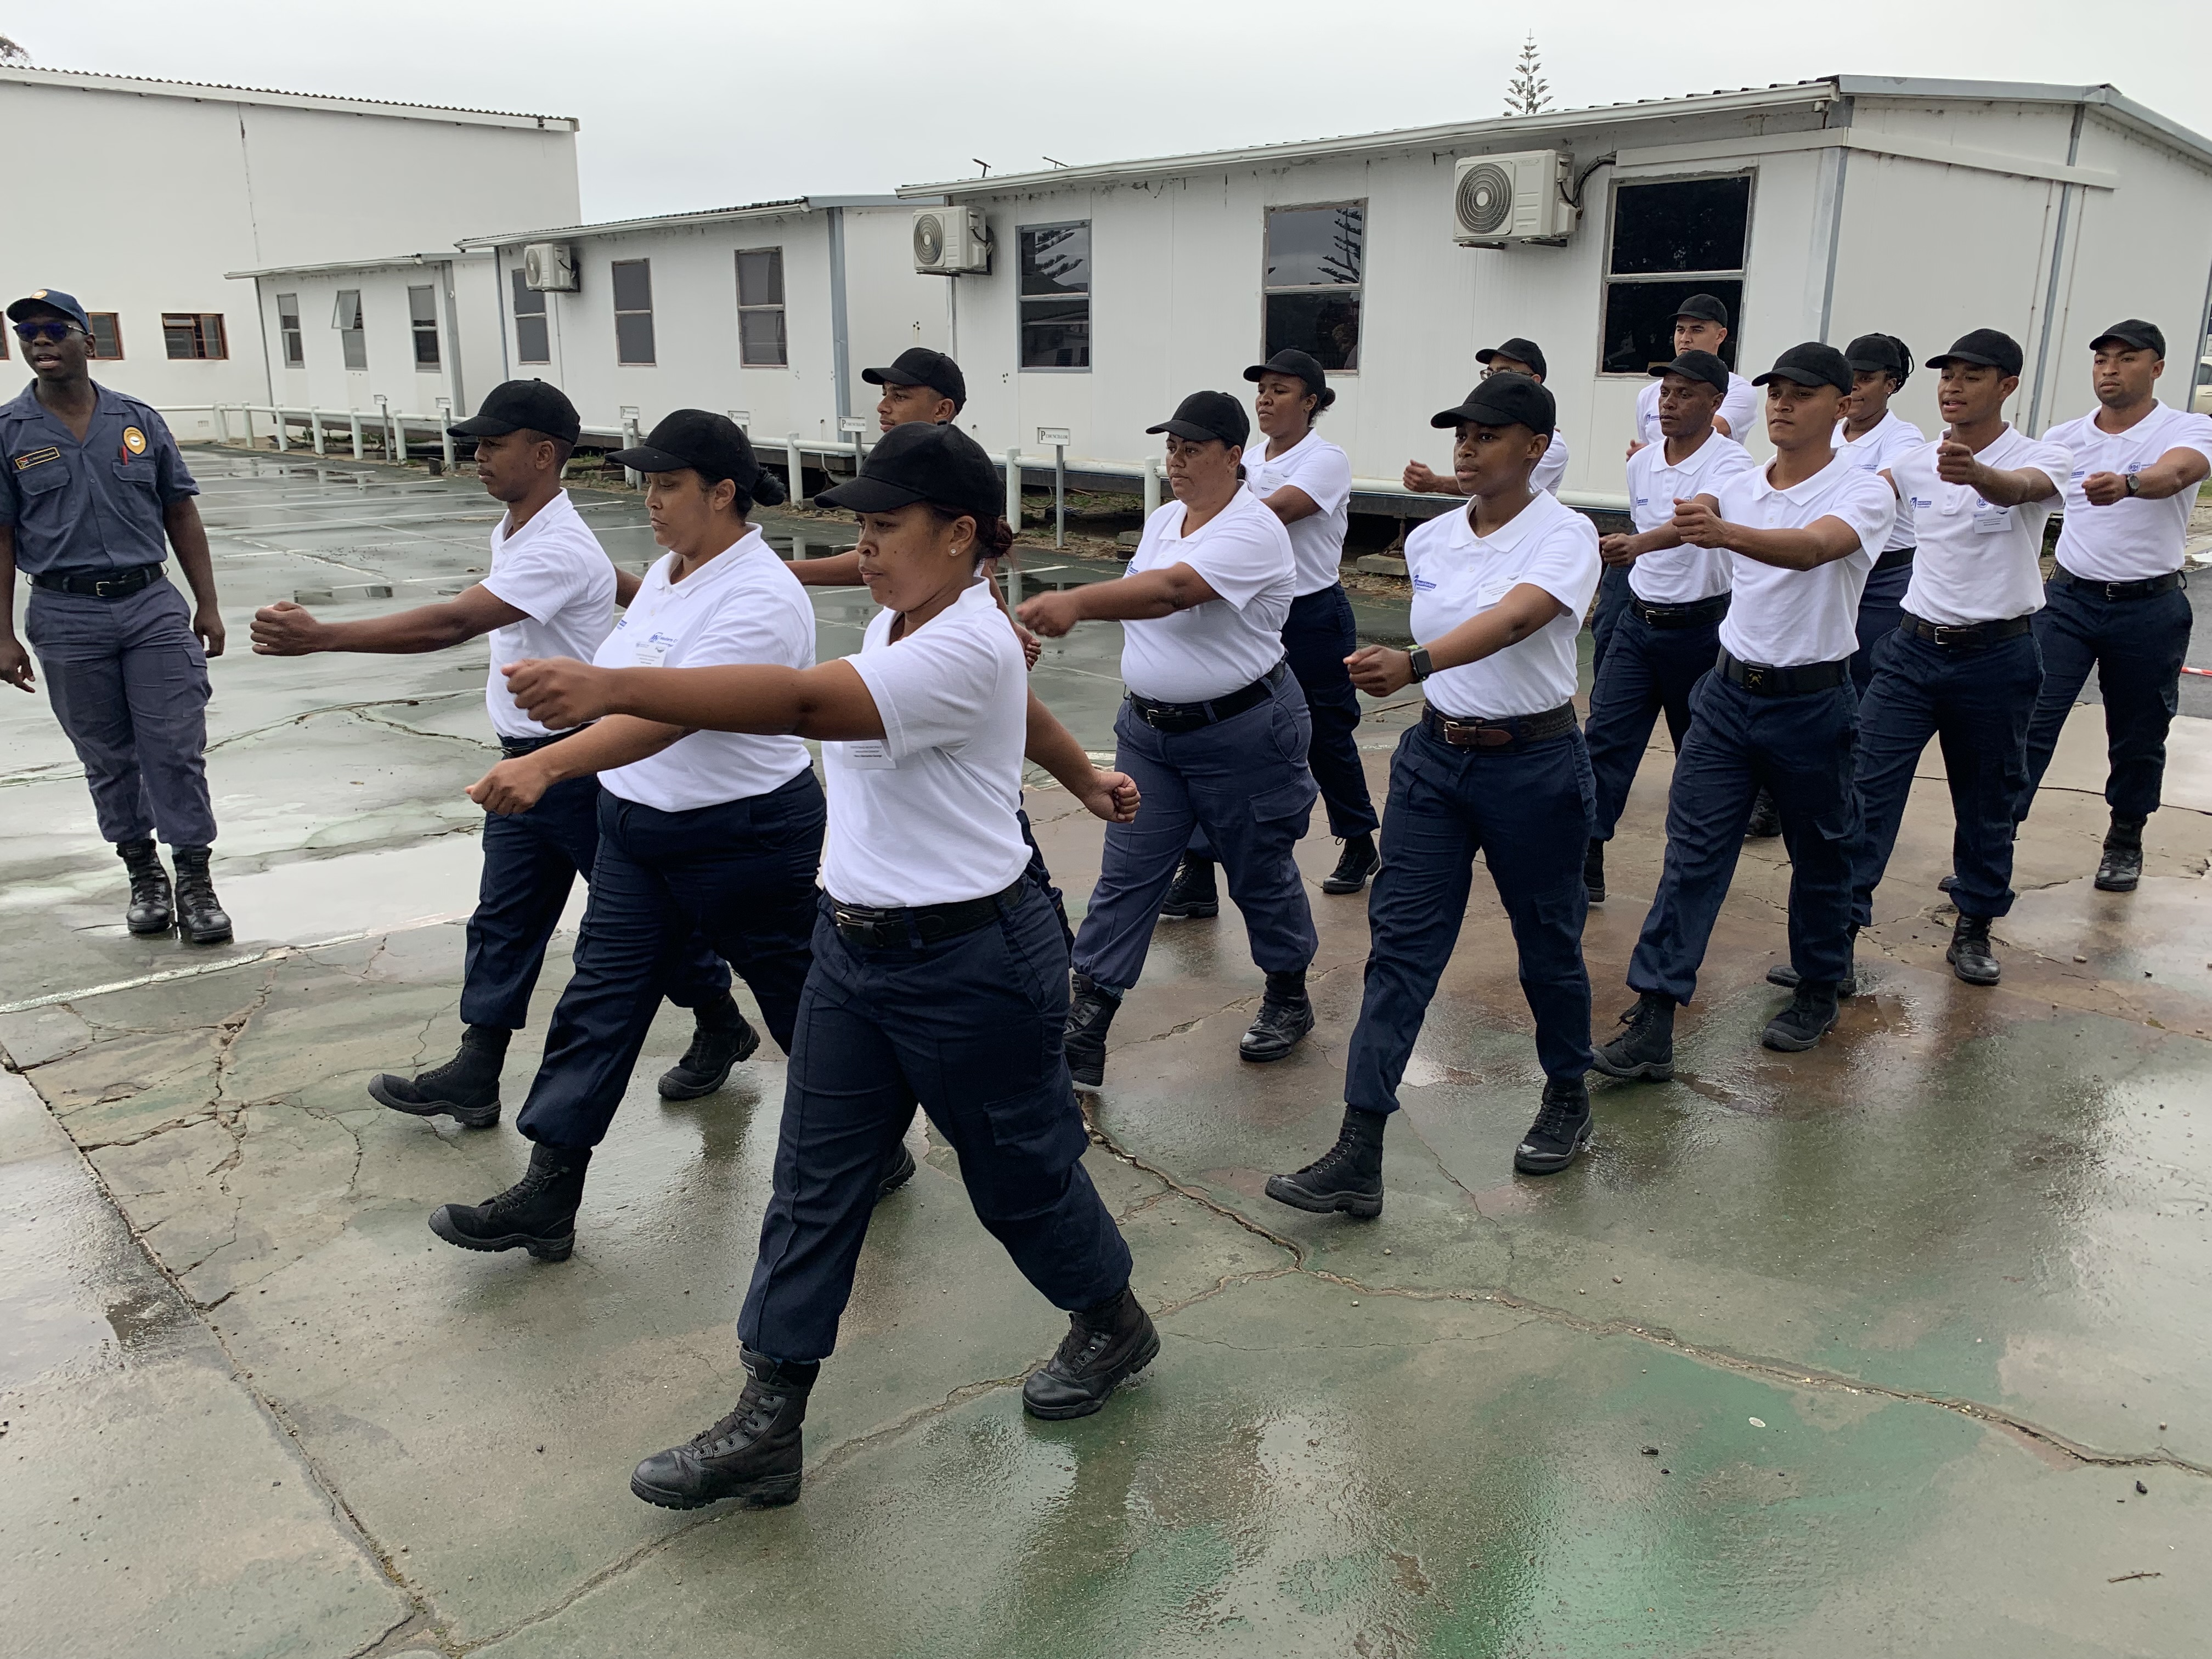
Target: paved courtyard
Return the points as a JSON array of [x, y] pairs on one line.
[[1900, 1347]]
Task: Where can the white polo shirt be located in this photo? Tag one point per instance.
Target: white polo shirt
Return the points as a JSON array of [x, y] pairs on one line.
[[1786, 618], [1888, 438], [2131, 540], [1244, 553], [1977, 562], [924, 815], [1739, 408], [1684, 574], [743, 605], [555, 572], [1458, 575], [1324, 472], [1553, 467]]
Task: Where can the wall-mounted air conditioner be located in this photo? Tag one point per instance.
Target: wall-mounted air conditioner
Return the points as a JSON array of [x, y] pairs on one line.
[[1499, 200], [551, 266], [951, 242]]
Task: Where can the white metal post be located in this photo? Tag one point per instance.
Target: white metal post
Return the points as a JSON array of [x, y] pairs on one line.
[[246, 410], [794, 465], [383, 420], [446, 431], [222, 424], [354, 415], [283, 432], [1060, 494], [315, 431], [1014, 491], [1152, 486]]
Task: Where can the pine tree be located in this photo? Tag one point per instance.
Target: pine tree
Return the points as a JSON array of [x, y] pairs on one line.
[[1527, 93]]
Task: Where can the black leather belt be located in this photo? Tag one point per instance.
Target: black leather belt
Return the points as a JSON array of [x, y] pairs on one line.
[[1891, 560], [1696, 614], [901, 929], [98, 584], [2148, 587], [1499, 733], [1965, 636], [1190, 716], [1764, 682], [516, 748]]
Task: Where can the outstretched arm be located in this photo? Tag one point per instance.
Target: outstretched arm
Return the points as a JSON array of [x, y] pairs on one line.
[[1822, 542], [830, 702], [1151, 594], [516, 785], [285, 629]]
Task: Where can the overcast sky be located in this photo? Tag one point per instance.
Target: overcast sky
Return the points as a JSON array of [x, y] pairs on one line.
[[689, 104]]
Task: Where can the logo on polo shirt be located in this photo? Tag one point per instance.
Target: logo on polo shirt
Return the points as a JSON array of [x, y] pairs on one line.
[[133, 440]]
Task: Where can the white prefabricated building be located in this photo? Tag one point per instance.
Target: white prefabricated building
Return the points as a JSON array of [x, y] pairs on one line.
[[163, 189], [1818, 210]]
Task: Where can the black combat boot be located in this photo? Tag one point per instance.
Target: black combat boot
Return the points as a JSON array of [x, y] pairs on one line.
[[1786, 975], [1561, 1130], [1646, 1047], [2117, 871], [896, 1173], [753, 1454], [720, 1038], [1810, 1016], [1090, 1009], [1765, 818], [1285, 1016], [1348, 1176], [1972, 957], [1594, 870], [152, 910], [1191, 896], [1105, 1345], [537, 1214], [200, 915], [465, 1089], [1359, 861]]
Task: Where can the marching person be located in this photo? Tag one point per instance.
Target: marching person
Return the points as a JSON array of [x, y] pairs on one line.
[[1306, 481], [1963, 667], [1871, 438], [1678, 593], [701, 834], [550, 592], [1214, 730], [938, 973], [2114, 603], [1496, 766], [93, 497], [1515, 357], [1777, 711]]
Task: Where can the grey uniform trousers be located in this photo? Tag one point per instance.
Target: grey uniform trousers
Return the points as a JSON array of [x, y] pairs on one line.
[[129, 683]]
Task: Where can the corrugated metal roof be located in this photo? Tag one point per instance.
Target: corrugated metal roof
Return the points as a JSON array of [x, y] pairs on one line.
[[102, 81]]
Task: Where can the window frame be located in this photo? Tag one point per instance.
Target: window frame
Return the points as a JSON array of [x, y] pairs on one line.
[[1358, 290], [196, 324], [614, 301], [420, 328], [1089, 299], [114, 321], [289, 334], [1740, 277], [354, 339], [780, 308], [543, 317]]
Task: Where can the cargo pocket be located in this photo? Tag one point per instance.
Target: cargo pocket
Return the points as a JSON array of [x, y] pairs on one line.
[[1293, 800], [1036, 1137]]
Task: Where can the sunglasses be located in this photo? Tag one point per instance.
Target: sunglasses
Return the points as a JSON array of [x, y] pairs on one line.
[[53, 333]]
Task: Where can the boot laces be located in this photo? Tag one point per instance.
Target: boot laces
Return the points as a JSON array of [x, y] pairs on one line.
[[1559, 1111], [148, 885], [1342, 1156], [535, 1180], [1080, 1348], [742, 1423]]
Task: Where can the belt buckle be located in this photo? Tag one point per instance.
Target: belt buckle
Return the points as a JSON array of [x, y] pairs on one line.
[[100, 588], [2113, 590], [1754, 677], [1955, 633]]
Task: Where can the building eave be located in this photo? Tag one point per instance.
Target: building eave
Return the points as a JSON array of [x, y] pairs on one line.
[[212, 92], [788, 208]]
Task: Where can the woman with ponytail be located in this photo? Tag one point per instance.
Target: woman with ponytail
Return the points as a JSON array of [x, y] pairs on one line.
[[939, 974]]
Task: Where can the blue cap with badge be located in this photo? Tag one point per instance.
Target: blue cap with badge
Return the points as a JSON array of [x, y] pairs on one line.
[[51, 298]]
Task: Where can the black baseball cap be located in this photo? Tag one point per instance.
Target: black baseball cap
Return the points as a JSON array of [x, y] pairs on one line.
[[1873, 353], [713, 445], [918, 462], [1810, 364], [54, 297], [1504, 400], [1701, 366], [1206, 414], [521, 405], [919, 366], [1299, 365], [2135, 333], [1704, 307], [1518, 351], [1986, 348]]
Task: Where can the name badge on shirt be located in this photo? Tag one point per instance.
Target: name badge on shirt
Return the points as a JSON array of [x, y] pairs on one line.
[[33, 457], [1494, 590], [1991, 520], [652, 650], [863, 755]]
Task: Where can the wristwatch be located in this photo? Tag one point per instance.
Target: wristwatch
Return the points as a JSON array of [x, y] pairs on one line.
[[2133, 482], [1418, 657]]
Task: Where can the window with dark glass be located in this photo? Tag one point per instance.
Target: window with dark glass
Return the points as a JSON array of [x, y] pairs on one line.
[[633, 289], [194, 334], [106, 335], [533, 341], [1315, 264], [1672, 238], [422, 318], [288, 324], [761, 343], [1055, 296], [353, 337]]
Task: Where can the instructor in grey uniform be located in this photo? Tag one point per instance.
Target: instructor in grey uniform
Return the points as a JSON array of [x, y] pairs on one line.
[[93, 496]]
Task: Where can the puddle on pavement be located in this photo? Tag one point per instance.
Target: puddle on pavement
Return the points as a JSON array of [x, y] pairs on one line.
[[311, 899]]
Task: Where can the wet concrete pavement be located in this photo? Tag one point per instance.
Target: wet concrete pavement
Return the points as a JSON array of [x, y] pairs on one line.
[[1903, 1322]]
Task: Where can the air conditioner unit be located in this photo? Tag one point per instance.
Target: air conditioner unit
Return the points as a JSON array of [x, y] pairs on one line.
[[950, 241], [1498, 200], [549, 266]]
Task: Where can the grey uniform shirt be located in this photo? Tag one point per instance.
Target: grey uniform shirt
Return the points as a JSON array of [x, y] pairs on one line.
[[94, 506]]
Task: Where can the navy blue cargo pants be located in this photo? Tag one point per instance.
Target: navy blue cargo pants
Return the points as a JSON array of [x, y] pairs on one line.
[[2136, 646]]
